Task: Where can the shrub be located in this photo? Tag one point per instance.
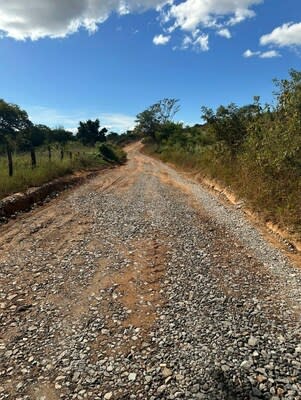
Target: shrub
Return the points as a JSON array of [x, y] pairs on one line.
[[112, 153]]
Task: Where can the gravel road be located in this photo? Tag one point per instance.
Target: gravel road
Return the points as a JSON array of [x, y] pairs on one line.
[[141, 284]]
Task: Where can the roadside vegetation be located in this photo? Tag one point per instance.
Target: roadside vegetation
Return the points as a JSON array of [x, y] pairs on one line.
[[124, 139], [255, 150], [31, 155]]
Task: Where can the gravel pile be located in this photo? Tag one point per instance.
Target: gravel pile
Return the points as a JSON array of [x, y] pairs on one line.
[[130, 288]]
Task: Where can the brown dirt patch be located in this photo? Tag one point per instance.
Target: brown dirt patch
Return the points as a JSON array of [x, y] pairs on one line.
[[137, 288]]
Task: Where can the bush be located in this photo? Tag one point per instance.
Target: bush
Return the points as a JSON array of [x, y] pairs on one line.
[[112, 153]]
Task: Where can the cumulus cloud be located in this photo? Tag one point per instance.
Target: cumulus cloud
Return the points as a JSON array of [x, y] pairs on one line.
[[191, 14], [240, 15], [224, 33], [270, 54], [286, 35], [37, 19], [265, 54], [161, 39]]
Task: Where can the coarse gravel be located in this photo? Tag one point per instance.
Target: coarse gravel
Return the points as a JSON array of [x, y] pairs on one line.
[[141, 284]]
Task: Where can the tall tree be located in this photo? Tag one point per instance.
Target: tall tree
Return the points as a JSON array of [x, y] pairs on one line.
[[167, 109], [89, 132], [13, 121], [150, 120]]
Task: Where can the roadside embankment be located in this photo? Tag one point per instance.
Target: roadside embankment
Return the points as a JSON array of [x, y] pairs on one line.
[[24, 201]]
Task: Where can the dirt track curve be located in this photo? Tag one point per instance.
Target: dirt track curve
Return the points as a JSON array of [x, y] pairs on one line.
[[140, 284]]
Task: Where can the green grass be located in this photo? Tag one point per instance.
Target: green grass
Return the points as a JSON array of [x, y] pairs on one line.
[[24, 176]]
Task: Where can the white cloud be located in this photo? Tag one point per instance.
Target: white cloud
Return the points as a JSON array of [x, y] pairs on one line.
[[240, 15], [161, 39], [190, 14], [37, 19], [202, 42], [249, 53], [198, 42], [265, 54], [117, 122], [270, 54], [224, 33], [187, 42], [193, 16], [51, 117], [286, 35]]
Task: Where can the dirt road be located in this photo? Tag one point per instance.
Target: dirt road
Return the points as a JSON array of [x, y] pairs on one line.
[[140, 284]]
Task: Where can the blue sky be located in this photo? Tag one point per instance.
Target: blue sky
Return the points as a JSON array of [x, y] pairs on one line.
[[70, 60]]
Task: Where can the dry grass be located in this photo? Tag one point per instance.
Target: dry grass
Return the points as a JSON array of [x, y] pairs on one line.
[[25, 177], [276, 197]]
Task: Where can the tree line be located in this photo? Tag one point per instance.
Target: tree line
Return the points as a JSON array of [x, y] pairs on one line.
[[19, 134], [254, 148]]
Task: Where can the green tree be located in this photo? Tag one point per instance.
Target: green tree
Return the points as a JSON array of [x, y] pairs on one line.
[[167, 109], [228, 124], [154, 117], [89, 132], [282, 141], [13, 121], [169, 130], [112, 137], [148, 122]]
